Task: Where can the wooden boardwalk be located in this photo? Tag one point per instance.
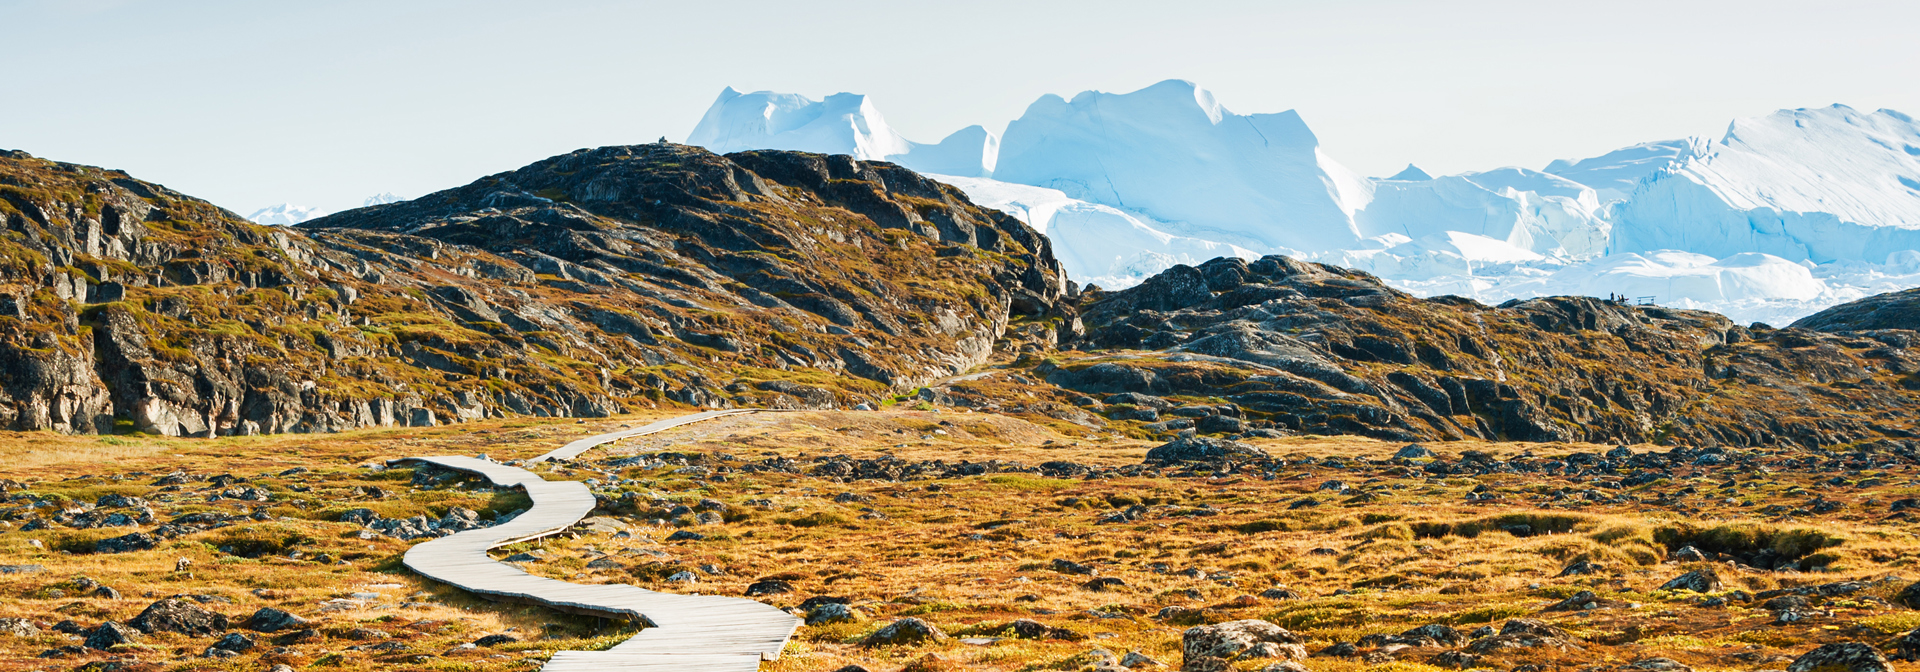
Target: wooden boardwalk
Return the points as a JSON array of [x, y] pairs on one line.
[[691, 633], [574, 449]]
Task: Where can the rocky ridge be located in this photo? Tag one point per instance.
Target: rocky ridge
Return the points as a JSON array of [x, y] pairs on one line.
[[613, 279], [587, 284], [1302, 347], [1892, 310]]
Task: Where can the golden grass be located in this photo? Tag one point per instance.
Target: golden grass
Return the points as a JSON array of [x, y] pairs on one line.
[[969, 554]]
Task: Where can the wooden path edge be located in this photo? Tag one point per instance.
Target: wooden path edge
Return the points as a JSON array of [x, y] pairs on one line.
[[685, 632]]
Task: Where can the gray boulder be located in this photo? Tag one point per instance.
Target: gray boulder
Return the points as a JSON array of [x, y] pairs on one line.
[[1413, 451], [1908, 646], [269, 619], [137, 541], [111, 634], [1202, 449], [235, 642], [181, 616], [1523, 633], [1699, 581], [904, 632], [832, 612], [1842, 657], [1235, 639], [18, 627], [1909, 596], [1206, 664], [1440, 634]]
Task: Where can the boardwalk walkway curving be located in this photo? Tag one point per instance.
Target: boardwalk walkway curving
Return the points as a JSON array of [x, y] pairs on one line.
[[690, 633], [574, 449]]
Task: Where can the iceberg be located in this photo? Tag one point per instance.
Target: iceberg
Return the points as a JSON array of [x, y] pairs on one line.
[[1171, 151], [1823, 185], [1110, 247], [1785, 215], [1447, 253], [1411, 173], [1527, 209], [843, 123], [1615, 174], [285, 214]]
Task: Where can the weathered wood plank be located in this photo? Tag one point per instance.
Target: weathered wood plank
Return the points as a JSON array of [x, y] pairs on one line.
[[685, 633]]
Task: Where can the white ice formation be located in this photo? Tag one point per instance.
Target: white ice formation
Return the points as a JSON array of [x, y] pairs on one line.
[[1786, 214]]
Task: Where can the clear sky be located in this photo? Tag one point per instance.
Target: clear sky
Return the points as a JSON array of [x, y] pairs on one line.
[[255, 102]]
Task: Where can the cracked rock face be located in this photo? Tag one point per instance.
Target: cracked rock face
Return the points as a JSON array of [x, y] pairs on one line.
[[592, 283]]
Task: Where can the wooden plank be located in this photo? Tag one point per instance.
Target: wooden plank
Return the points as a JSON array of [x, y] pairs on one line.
[[690, 633]]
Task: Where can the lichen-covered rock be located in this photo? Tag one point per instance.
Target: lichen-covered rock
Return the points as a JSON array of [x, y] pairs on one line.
[[1206, 664], [137, 541], [1584, 599], [1031, 629], [832, 612], [18, 627], [269, 619], [1699, 581], [1908, 646], [1202, 449], [1842, 657], [1660, 664], [1233, 639], [906, 631], [1533, 628], [1909, 596], [1274, 650], [1284, 666], [1523, 633], [181, 616], [237, 642], [110, 634], [1438, 635]]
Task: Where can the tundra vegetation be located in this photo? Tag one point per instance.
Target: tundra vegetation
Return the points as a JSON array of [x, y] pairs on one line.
[[975, 524]]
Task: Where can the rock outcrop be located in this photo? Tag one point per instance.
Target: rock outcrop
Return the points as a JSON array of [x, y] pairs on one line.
[[1310, 348], [1892, 310], [588, 284]]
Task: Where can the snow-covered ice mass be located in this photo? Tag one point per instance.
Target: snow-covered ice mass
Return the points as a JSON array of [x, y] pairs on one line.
[[1787, 214], [288, 214]]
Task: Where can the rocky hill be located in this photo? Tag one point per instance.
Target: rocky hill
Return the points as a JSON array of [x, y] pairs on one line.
[[584, 285], [1312, 348], [1892, 310], [613, 279]]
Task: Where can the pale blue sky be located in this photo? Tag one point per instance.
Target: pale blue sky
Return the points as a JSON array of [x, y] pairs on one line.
[[324, 103]]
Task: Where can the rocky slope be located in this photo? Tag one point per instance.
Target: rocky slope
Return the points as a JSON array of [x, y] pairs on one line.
[[1312, 348], [1892, 310], [618, 278], [583, 285]]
